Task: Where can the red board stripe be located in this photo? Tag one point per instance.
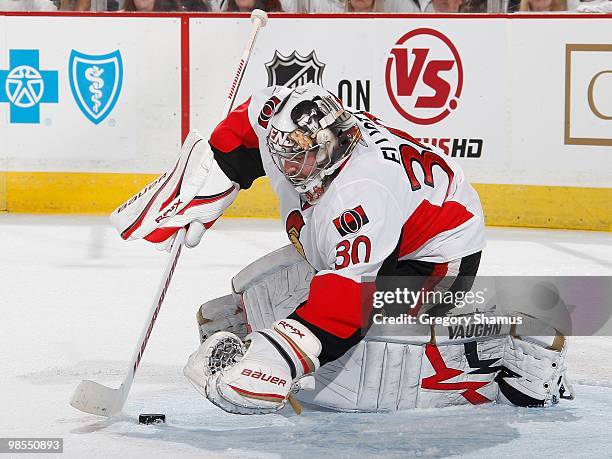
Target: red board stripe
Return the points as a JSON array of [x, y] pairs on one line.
[[185, 75], [352, 16]]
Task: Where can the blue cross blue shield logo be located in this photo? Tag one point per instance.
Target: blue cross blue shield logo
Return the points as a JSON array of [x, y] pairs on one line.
[[25, 86], [95, 81]]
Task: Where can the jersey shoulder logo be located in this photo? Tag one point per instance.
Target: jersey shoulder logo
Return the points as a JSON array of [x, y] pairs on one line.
[[294, 225], [351, 221], [268, 111]]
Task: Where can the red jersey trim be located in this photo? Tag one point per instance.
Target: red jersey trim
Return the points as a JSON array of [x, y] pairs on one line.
[[337, 305], [365, 16], [429, 220], [235, 131]]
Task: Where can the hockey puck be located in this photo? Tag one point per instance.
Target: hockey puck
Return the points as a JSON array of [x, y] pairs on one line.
[[151, 419]]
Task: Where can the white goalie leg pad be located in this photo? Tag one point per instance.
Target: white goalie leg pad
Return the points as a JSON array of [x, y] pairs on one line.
[[259, 380], [389, 373], [466, 366], [267, 290], [272, 287], [389, 376], [221, 314], [534, 370], [534, 375]]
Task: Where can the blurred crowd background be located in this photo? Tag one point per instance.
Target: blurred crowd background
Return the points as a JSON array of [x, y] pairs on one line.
[[315, 6]]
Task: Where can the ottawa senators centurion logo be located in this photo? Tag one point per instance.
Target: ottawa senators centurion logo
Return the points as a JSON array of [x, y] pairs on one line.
[[294, 225]]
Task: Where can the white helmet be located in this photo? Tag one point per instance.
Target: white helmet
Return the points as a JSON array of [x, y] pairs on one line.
[[311, 136]]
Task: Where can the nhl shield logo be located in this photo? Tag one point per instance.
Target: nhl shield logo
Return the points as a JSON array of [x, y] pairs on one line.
[[95, 81], [294, 70]]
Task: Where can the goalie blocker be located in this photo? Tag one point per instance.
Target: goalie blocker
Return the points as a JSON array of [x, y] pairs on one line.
[[380, 373], [194, 192]]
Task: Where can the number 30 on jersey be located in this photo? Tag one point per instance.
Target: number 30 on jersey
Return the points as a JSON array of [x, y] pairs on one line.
[[353, 251]]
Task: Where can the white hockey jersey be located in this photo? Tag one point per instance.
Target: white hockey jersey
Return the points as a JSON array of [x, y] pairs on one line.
[[394, 199]]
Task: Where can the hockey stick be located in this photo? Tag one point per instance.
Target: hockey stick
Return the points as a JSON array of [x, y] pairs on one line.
[[92, 397]]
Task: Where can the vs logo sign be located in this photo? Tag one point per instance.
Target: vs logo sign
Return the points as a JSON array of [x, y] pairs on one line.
[[424, 76], [96, 82]]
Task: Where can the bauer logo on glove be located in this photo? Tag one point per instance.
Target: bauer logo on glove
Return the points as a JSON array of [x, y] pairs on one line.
[[255, 377]]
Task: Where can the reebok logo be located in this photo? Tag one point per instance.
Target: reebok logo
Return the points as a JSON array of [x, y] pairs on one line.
[[168, 213], [291, 328]]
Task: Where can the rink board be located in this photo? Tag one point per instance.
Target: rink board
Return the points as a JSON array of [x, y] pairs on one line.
[[529, 123]]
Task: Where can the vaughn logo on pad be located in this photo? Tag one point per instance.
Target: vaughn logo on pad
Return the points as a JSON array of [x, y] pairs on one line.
[[95, 81]]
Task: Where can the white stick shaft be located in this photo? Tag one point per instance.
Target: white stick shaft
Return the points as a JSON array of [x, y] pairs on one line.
[[95, 398], [158, 300], [242, 65], [180, 237]]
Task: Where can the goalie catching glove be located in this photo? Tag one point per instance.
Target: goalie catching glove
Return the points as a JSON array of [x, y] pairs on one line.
[[194, 192], [257, 376]]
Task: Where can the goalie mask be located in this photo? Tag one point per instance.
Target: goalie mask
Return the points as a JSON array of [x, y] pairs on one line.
[[312, 135]]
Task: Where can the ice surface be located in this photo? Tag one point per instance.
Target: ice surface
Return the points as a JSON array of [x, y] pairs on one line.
[[73, 297]]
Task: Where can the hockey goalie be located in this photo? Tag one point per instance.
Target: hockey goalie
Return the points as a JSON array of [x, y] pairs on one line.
[[360, 201]]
